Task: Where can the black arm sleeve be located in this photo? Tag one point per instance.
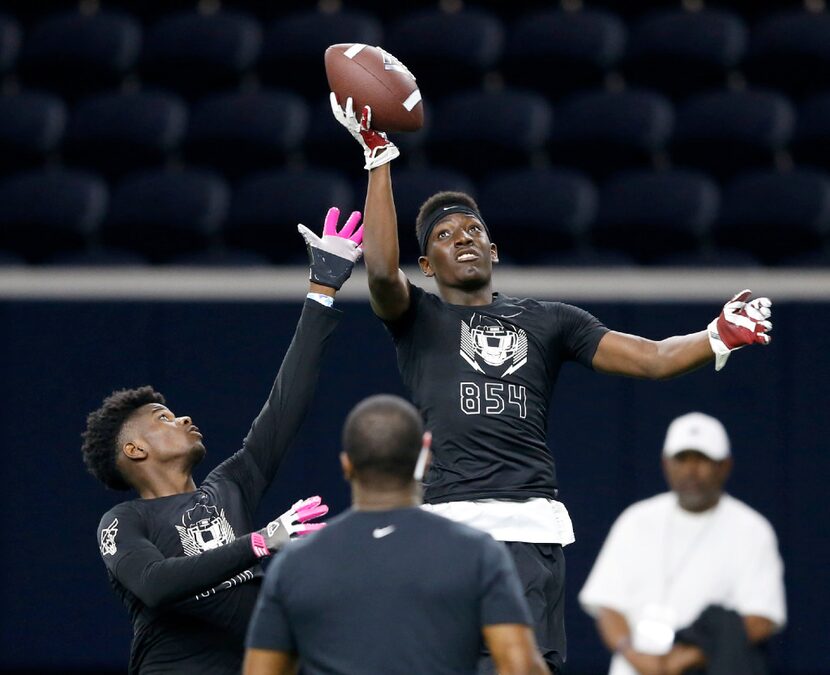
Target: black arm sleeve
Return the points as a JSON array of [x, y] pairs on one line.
[[280, 418], [156, 580]]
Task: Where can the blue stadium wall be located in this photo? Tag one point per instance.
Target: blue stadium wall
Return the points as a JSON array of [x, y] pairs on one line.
[[216, 361]]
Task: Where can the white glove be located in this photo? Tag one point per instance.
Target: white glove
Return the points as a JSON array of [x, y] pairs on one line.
[[740, 323], [377, 148]]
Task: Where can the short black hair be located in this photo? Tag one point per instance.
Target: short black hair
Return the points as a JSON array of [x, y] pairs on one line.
[[438, 200], [382, 437], [103, 426]]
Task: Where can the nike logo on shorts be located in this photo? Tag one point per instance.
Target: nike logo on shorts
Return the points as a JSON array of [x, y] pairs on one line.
[[381, 532]]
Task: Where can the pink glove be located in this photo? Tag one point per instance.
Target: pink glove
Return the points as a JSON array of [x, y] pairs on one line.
[[740, 323], [293, 522], [332, 258], [377, 148]]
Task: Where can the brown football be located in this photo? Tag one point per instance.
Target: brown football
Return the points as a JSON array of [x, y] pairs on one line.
[[373, 77]]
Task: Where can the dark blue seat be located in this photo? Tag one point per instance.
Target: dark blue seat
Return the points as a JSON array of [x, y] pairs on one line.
[[151, 10], [710, 257], [791, 51], [811, 259], [588, 257], [413, 186], [775, 215], [11, 38], [480, 131], [32, 125], [728, 131], [534, 212], [242, 132], [47, 211], [76, 54], [602, 132], [649, 214], [266, 208], [559, 52], [97, 256], [164, 213], [294, 46], [682, 53], [9, 259], [194, 53], [115, 133], [633, 9], [220, 257], [447, 51], [811, 142]]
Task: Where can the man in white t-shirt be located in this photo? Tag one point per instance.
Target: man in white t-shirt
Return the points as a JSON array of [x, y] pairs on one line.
[[669, 557]]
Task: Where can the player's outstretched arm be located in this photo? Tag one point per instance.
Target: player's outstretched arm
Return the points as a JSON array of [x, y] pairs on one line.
[[740, 323], [387, 283], [514, 651]]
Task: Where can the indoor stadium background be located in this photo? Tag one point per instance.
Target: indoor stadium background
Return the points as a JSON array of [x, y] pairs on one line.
[[643, 159]]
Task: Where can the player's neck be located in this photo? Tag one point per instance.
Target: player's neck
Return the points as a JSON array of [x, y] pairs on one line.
[[384, 499], [466, 296], [165, 485]]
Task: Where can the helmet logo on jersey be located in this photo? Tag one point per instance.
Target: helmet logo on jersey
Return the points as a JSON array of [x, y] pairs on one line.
[[493, 342], [108, 546], [204, 528]]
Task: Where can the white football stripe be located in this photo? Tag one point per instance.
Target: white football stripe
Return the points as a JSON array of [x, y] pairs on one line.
[[353, 51], [412, 100]]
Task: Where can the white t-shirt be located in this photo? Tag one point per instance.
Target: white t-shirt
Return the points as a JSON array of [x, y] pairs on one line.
[[537, 520], [658, 555]]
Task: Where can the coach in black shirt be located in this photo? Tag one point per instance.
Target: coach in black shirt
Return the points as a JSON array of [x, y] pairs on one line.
[[387, 588], [481, 367], [182, 558]]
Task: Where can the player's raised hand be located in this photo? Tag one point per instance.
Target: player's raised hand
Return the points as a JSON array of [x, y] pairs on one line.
[[377, 148], [332, 257], [741, 322], [293, 522]]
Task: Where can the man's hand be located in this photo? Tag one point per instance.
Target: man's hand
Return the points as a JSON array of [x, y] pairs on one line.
[[277, 533], [741, 322], [377, 148], [332, 258], [645, 664]]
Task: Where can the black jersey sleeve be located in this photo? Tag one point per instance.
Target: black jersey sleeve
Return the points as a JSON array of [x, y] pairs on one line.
[[280, 419], [399, 327], [580, 333], [137, 564]]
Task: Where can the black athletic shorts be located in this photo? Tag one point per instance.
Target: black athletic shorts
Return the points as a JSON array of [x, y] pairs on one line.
[[541, 569]]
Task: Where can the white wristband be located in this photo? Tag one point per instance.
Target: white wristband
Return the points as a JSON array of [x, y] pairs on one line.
[[322, 298]]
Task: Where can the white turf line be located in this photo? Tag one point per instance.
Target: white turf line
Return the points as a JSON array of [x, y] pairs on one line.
[[290, 283]]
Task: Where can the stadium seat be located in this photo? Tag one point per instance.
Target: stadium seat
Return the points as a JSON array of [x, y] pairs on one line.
[[116, 133], [292, 54], [681, 53], [811, 142], [775, 215], [9, 259], [633, 9], [533, 212], [27, 11], [649, 214], [97, 257], [812, 259], [76, 54], [480, 131], [164, 213], [32, 125], [558, 52], [728, 131], [150, 10], [243, 132], [447, 51], [266, 208], [791, 51], [412, 188], [47, 211], [588, 257], [709, 257], [602, 132], [195, 53], [388, 11], [11, 37], [220, 257]]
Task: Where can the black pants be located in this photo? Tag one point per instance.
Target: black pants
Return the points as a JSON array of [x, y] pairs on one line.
[[541, 569]]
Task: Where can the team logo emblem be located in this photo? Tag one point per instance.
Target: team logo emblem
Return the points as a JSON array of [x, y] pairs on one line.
[[493, 342], [108, 546], [392, 63], [204, 528]]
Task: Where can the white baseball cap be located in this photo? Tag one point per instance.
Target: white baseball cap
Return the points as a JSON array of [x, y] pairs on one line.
[[699, 432]]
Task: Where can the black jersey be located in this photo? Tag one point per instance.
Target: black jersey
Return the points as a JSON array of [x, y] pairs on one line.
[[482, 377], [183, 565], [384, 592]]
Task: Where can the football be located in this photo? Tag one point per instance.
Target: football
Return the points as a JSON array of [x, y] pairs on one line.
[[373, 77]]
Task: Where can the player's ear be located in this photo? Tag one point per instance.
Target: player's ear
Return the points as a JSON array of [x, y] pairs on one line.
[[133, 452], [494, 253], [426, 268], [346, 465]]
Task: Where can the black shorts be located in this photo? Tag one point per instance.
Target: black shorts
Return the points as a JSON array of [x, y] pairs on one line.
[[541, 570]]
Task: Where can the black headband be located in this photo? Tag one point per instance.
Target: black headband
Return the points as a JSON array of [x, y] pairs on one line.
[[438, 214]]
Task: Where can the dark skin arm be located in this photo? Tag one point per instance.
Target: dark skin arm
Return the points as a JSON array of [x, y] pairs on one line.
[[267, 662], [514, 651], [623, 354], [388, 286]]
